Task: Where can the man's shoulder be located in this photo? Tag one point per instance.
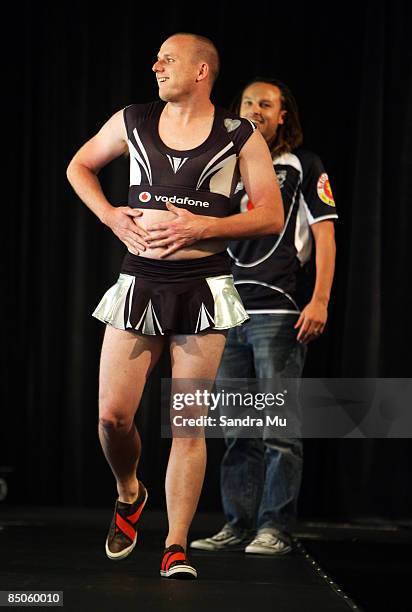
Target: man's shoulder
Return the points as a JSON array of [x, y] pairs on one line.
[[308, 159], [134, 114], [233, 123], [288, 159]]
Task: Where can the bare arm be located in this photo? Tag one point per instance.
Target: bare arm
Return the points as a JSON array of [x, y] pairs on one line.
[[261, 185], [313, 317], [108, 144], [259, 179]]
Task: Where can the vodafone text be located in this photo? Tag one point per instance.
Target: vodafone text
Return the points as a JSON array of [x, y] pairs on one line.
[[145, 197], [184, 201]]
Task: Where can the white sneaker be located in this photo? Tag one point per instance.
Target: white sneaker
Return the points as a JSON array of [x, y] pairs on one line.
[[267, 544], [226, 539]]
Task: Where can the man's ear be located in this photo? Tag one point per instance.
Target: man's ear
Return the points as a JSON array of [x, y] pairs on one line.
[[282, 117], [202, 72]]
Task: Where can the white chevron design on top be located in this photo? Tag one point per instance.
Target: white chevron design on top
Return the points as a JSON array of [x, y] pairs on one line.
[[176, 162]]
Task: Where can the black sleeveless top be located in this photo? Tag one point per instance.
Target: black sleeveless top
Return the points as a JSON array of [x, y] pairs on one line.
[[202, 180]]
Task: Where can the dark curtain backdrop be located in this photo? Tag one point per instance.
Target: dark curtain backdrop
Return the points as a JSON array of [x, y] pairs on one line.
[[69, 67]]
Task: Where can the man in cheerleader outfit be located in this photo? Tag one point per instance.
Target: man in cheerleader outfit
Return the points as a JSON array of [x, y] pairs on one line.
[[175, 290]]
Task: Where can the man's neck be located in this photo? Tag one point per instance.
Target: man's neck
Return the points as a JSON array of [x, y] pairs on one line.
[[185, 111]]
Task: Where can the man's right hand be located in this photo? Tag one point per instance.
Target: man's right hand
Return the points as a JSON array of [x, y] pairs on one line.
[[124, 226]]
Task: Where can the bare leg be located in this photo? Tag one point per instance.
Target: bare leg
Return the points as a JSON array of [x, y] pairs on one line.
[[193, 356], [126, 362]]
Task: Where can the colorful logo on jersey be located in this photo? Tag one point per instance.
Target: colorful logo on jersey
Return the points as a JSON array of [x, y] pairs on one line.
[[245, 204], [145, 196], [324, 190]]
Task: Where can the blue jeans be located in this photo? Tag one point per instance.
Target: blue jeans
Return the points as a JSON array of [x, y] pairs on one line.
[[260, 478]]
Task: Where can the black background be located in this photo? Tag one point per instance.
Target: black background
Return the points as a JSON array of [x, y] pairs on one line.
[[68, 68]]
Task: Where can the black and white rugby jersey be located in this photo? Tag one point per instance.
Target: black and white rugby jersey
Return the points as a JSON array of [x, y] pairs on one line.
[[202, 179], [268, 271]]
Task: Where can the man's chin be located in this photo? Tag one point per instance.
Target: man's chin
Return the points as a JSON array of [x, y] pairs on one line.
[[169, 96], [166, 96]]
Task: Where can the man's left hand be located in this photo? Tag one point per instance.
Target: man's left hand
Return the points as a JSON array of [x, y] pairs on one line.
[[312, 321], [185, 229]]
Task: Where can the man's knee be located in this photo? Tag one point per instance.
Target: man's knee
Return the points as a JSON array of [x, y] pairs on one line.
[[113, 419]]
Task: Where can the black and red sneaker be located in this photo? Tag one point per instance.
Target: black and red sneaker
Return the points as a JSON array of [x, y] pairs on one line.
[[122, 534], [176, 565]]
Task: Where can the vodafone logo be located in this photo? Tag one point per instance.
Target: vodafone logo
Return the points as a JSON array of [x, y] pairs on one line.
[[145, 196]]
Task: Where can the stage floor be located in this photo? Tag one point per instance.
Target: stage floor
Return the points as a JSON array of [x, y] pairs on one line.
[[63, 550]]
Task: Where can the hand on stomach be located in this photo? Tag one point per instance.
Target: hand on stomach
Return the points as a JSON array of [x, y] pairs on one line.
[[201, 248]]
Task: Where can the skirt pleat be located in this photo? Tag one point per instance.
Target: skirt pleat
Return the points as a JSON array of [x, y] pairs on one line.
[[153, 308]]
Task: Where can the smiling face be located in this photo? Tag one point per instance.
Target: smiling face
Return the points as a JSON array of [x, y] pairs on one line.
[[262, 104], [176, 69]]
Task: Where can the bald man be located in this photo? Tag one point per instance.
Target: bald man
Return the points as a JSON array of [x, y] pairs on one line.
[[175, 288]]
